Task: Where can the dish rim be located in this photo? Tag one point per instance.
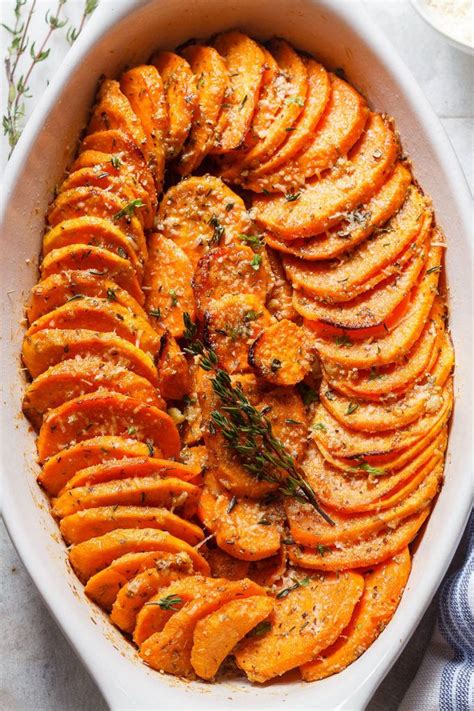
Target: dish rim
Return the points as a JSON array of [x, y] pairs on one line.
[[357, 17]]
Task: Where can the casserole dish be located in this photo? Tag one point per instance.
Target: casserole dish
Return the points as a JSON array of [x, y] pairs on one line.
[[341, 36]]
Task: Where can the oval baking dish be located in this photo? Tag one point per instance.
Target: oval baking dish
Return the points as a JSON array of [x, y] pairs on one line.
[[340, 35]]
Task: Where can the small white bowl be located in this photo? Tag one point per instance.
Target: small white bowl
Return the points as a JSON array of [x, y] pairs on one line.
[[340, 34], [434, 19]]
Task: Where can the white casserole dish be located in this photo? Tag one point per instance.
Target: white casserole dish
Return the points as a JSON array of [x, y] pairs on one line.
[[124, 33]]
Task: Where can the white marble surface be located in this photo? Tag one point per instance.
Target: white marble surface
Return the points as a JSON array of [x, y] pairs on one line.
[[38, 669]]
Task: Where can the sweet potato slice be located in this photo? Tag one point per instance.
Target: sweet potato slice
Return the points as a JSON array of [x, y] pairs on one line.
[[299, 135], [216, 635], [136, 593], [174, 375], [143, 88], [356, 490], [104, 586], [373, 384], [372, 307], [89, 523], [318, 206], [226, 566], [309, 529], [91, 556], [211, 78], [374, 260], [46, 348], [231, 325], [382, 592], [94, 232], [117, 177], [194, 457], [179, 85], [270, 571], [71, 378], [115, 142], [305, 621], [167, 492], [102, 315], [132, 466], [200, 212], [279, 301], [98, 262], [156, 612], [94, 202], [339, 128], [229, 270], [371, 551], [280, 354], [170, 649], [167, 285], [293, 78], [113, 111], [59, 469], [108, 414], [246, 529], [244, 61], [400, 336], [58, 289]]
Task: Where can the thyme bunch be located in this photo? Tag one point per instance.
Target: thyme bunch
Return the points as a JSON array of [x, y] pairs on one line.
[[247, 431]]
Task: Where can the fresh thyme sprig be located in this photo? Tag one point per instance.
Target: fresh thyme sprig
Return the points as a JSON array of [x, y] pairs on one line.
[[73, 32], [247, 431]]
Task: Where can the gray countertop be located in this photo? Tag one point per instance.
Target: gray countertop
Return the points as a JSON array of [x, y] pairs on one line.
[[39, 670]]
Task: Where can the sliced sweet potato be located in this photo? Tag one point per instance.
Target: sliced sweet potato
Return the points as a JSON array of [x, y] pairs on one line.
[[143, 88], [211, 78], [94, 202], [382, 592], [89, 523], [115, 142], [46, 348], [216, 635], [280, 355], [338, 129], [318, 206], [173, 370], [63, 466], [113, 111], [136, 593], [356, 490], [102, 315], [231, 325], [309, 529], [299, 135], [167, 492], [226, 566], [202, 212], [107, 414], [293, 90], [279, 301], [356, 225], [373, 384], [371, 551], [170, 649], [244, 61], [372, 307], [270, 571], [179, 85], [246, 529], [400, 336], [229, 270], [132, 466], [60, 288], [118, 177], [104, 586], [98, 262], [374, 260], [167, 285], [71, 378], [306, 620], [96, 554]]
